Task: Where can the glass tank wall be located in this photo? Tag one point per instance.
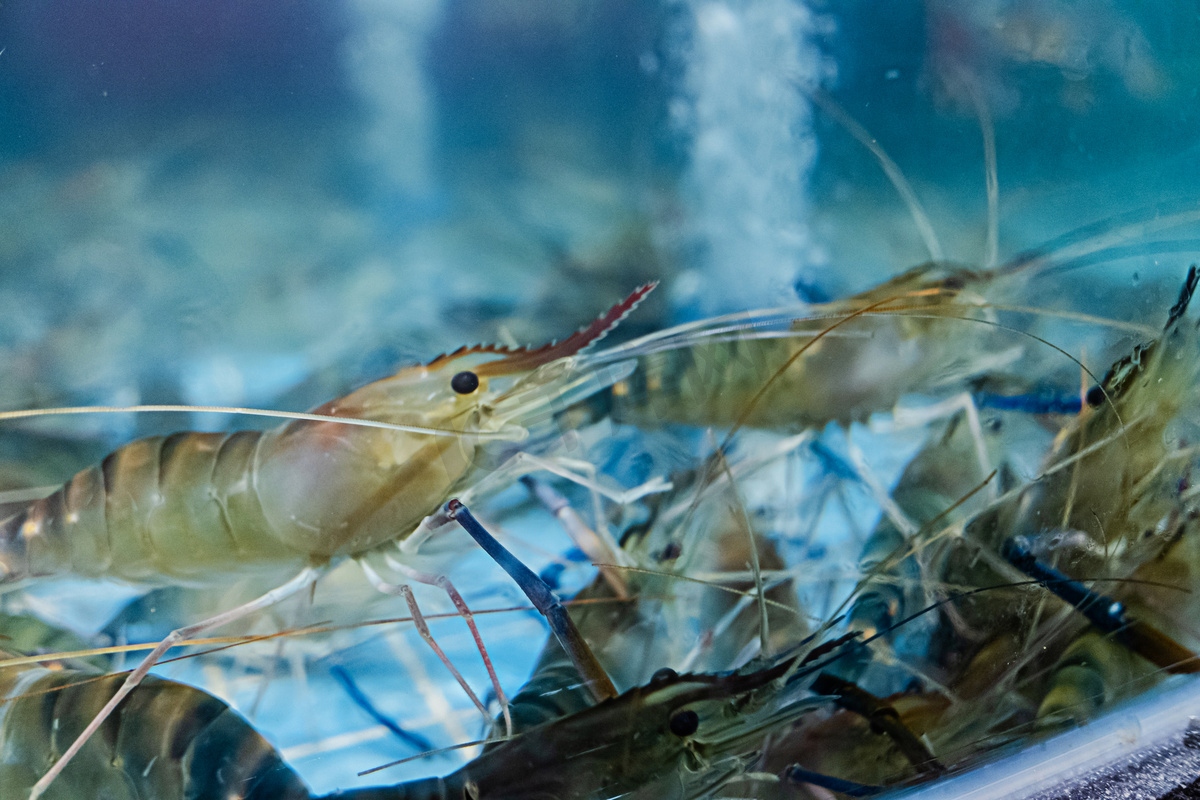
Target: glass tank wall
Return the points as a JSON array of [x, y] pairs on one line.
[[268, 205]]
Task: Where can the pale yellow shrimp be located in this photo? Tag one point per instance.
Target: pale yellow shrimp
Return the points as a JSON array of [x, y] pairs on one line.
[[207, 508], [1110, 491], [202, 507]]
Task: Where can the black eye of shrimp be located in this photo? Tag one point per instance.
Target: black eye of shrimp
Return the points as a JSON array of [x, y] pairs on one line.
[[685, 723], [465, 382], [663, 675]]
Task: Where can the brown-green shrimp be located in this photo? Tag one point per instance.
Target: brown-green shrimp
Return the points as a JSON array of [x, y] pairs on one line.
[[167, 741], [938, 328]]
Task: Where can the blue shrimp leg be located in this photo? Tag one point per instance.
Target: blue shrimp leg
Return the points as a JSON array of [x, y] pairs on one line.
[[1105, 613], [543, 598]]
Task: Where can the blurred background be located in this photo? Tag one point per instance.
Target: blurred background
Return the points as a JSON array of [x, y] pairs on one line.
[[269, 203]]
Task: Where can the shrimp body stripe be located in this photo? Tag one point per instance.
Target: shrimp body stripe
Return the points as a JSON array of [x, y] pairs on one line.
[[130, 515], [165, 740], [554, 692], [200, 507], [840, 378]]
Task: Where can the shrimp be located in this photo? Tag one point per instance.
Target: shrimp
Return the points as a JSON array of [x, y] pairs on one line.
[[933, 329], [678, 735], [1108, 494], [789, 370], [168, 740], [203, 508], [199, 507], [1109, 502]]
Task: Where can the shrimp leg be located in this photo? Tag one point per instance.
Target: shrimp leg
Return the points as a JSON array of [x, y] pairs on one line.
[[443, 583], [543, 598], [883, 718], [582, 473], [797, 775], [520, 464], [598, 544], [305, 579]]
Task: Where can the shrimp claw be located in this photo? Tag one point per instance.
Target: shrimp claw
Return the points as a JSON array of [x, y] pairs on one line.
[[543, 598], [1105, 613]]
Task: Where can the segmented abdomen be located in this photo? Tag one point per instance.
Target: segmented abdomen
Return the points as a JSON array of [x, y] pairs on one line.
[[182, 506], [166, 740]]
